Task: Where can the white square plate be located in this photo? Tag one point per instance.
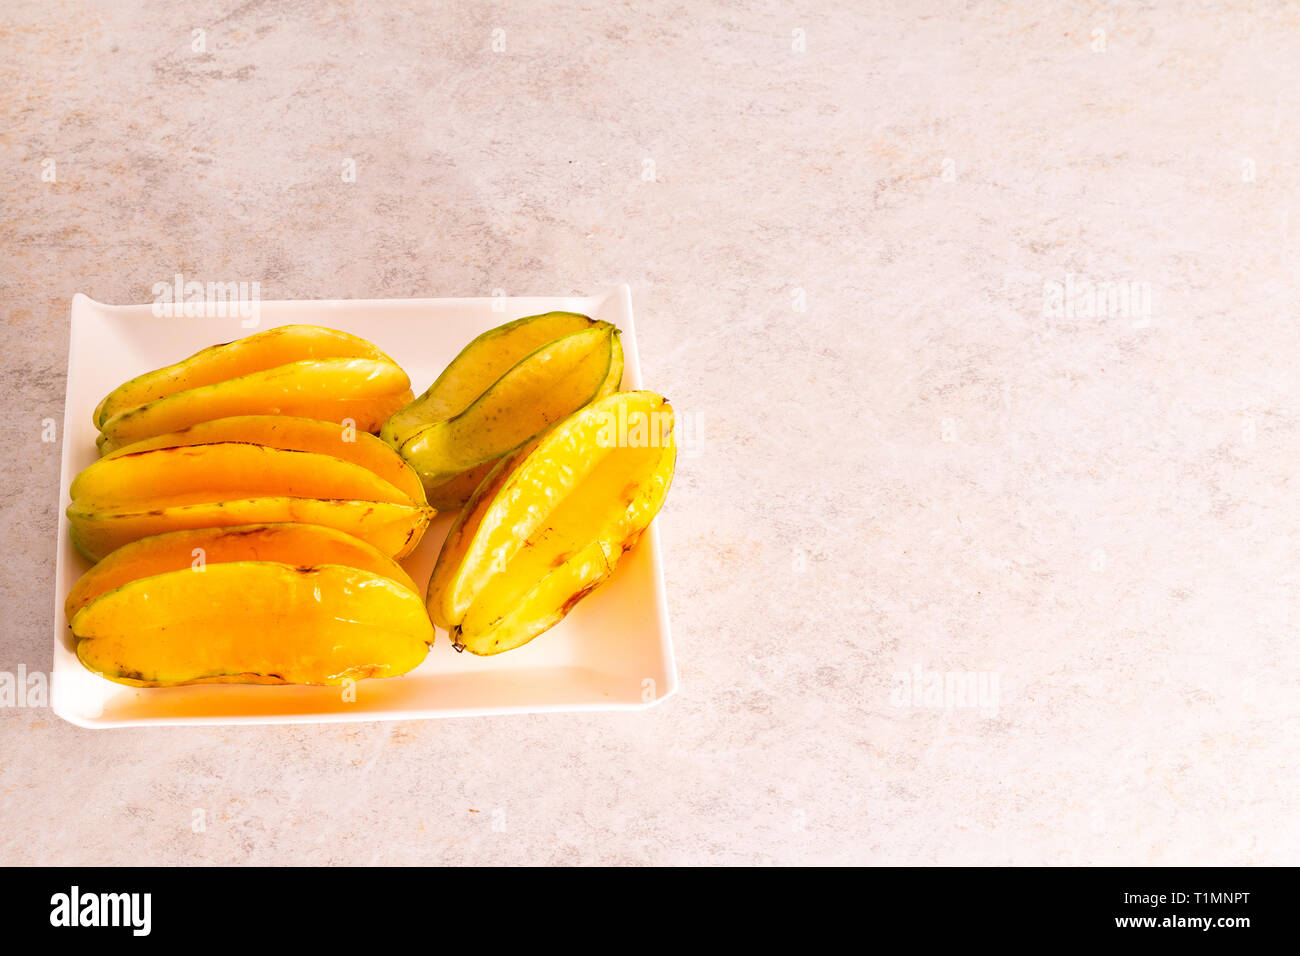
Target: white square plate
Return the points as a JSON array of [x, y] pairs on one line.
[[612, 652]]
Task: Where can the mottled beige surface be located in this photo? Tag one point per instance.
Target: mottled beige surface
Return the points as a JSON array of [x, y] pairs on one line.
[[921, 469]]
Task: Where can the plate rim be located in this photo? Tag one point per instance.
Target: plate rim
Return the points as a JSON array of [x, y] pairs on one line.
[[59, 702]]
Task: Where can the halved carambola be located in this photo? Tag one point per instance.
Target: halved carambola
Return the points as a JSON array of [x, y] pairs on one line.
[[263, 603], [550, 523], [299, 370], [503, 388], [295, 544], [136, 494], [295, 434]]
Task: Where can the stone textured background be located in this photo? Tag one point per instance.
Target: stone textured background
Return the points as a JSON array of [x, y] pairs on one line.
[[920, 469]]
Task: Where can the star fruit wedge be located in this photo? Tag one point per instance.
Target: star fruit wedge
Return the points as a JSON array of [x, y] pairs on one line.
[[299, 370], [249, 469], [505, 387], [251, 604], [550, 523]]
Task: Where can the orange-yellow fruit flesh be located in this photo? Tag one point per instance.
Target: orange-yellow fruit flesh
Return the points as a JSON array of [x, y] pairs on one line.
[[394, 529], [301, 545], [192, 474], [253, 353], [253, 621], [366, 391], [295, 434]]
